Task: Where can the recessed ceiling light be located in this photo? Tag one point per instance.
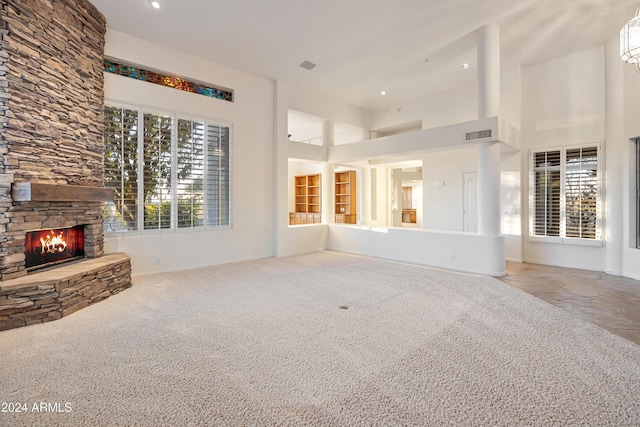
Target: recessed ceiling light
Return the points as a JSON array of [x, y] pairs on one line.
[[383, 93], [466, 66], [156, 4]]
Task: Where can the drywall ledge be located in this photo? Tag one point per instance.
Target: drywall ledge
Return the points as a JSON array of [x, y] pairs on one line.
[[433, 139]]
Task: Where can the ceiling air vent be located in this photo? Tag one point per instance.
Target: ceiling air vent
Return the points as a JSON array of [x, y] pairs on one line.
[[308, 65], [481, 134]]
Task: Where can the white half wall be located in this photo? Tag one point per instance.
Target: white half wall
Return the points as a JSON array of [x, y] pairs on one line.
[[457, 251]]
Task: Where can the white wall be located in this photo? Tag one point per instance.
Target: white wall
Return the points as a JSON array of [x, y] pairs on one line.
[[510, 94], [563, 103], [511, 205], [251, 115], [440, 109], [442, 206], [563, 100], [454, 105]]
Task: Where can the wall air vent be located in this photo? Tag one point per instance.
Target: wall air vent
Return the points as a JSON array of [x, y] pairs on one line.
[[481, 134]]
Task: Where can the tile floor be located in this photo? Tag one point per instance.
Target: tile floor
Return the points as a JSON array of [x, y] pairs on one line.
[[611, 302]]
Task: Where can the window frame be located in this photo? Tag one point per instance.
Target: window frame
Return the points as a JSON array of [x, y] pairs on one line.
[[562, 239], [637, 204], [175, 116]]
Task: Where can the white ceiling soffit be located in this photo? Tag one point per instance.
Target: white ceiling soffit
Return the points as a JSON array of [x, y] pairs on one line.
[[362, 47], [307, 128]]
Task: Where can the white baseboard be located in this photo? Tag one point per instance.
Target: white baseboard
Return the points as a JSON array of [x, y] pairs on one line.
[[634, 276]]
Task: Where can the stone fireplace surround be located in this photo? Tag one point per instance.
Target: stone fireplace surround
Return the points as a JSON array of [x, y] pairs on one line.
[[51, 156], [56, 292]]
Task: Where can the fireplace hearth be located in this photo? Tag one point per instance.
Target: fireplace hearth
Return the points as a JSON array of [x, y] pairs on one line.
[[44, 248]]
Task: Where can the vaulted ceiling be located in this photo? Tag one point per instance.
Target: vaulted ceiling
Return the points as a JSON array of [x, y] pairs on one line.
[[408, 48]]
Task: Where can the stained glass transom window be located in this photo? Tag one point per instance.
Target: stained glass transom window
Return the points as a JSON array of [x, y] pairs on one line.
[[164, 79]]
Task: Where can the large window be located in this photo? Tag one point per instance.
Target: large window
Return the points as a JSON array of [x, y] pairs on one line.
[[167, 171], [565, 195]]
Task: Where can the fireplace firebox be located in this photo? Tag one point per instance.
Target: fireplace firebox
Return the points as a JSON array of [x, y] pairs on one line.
[[44, 248]]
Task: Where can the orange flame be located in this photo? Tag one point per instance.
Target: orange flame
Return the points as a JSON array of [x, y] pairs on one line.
[[53, 243]]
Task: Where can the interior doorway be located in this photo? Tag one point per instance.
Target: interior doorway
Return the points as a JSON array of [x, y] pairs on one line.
[[407, 195]]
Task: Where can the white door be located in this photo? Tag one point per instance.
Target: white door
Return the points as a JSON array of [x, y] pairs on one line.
[[470, 204]]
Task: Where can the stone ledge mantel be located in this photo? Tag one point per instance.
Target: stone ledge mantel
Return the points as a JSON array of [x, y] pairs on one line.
[[37, 192]]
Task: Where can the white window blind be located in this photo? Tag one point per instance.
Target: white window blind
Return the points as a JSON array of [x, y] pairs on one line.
[[157, 171], [565, 199], [546, 193], [581, 178], [218, 175], [190, 173], [121, 168]]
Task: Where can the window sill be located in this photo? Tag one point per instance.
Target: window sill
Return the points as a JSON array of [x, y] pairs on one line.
[[597, 243], [166, 231]]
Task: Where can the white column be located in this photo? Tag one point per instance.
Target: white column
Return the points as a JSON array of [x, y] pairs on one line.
[[328, 131], [328, 193], [488, 52], [615, 149], [489, 189], [365, 196], [489, 153], [328, 176]]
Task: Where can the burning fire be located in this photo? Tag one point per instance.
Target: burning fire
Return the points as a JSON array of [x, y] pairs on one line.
[[53, 243]]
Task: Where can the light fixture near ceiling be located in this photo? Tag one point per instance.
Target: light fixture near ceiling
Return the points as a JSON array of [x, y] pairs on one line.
[[630, 41], [156, 4], [466, 66], [383, 92]]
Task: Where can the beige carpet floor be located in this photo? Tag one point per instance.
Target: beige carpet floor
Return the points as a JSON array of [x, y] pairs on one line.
[[322, 339]]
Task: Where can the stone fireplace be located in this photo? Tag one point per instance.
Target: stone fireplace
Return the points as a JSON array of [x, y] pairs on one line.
[[51, 174]]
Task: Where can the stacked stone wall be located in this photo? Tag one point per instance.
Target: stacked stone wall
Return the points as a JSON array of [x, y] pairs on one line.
[[6, 178], [51, 100]]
